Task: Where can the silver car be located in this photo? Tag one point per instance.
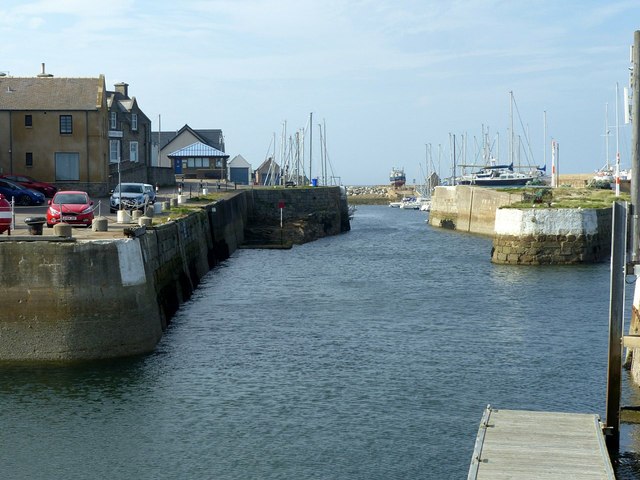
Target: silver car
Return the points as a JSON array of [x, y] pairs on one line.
[[134, 197]]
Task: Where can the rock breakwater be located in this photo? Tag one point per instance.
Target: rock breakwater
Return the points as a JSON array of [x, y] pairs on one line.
[[377, 194]]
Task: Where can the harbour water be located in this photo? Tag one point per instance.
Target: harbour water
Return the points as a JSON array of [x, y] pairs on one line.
[[368, 355]]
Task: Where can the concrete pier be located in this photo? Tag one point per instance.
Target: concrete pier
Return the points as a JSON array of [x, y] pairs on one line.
[[103, 295]]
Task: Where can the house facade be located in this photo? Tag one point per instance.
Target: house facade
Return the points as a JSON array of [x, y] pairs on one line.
[[268, 173], [129, 137], [166, 143], [199, 160], [55, 130], [239, 170]]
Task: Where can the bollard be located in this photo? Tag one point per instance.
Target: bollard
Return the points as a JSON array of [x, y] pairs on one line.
[[149, 211], [174, 202], [123, 216], [205, 191], [35, 224], [145, 221], [157, 208], [182, 199], [100, 224], [62, 230], [135, 215]]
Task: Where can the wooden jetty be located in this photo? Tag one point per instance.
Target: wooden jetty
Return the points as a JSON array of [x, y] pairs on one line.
[[539, 445]]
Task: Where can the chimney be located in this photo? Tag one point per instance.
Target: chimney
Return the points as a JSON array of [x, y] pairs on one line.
[[122, 88], [43, 74]]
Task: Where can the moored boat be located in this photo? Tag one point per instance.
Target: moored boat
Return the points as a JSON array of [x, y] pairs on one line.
[[397, 177]]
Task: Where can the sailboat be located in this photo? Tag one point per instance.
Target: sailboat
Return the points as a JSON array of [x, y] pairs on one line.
[[494, 174], [431, 181], [610, 176]]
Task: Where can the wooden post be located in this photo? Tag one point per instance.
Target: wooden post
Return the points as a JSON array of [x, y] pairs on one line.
[[616, 314]]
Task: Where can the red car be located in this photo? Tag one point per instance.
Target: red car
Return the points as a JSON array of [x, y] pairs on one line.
[[47, 189], [76, 207]]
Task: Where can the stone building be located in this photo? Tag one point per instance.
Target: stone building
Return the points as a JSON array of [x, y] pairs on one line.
[[56, 130], [129, 137]]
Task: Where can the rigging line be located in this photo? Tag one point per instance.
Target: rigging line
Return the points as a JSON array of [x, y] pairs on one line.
[[269, 149], [523, 129]]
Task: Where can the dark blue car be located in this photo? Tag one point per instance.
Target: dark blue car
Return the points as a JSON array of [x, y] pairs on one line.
[[22, 195]]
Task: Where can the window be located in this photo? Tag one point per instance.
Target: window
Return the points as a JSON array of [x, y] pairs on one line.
[[28, 159], [113, 120], [67, 166], [114, 151], [66, 124], [134, 122], [218, 163], [28, 121], [133, 151]]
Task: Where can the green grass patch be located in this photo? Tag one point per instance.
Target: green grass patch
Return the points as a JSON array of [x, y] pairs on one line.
[[568, 197]]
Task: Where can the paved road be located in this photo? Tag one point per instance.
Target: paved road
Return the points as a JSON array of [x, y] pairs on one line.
[[101, 205]]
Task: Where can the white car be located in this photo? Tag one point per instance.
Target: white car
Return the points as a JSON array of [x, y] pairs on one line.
[[134, 197]]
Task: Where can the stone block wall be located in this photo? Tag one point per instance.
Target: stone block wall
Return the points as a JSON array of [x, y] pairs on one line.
[[539, 236], [308, 214]]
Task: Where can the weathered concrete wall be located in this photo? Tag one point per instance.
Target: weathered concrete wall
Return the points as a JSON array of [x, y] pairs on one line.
[[109, 298], [536, 236], [469, 209], [78, 300]]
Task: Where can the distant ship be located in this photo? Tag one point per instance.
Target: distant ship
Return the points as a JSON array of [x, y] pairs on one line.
[[397, 177]]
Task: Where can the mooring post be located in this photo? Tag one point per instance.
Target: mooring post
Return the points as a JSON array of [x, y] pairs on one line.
[[634, 84], [616, 317]]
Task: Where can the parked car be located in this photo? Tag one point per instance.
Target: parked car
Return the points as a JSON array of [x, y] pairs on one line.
[[151, 192], [133, 196], [76, 208], [21, 195], [47, 189]]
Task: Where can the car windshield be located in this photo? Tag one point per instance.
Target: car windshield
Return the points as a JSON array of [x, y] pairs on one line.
[[73, 198], [11, 185], [131, 188]]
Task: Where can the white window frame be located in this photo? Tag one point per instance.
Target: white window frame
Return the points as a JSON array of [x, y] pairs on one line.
[[113, 120], [133, 151], [134, 122], [114, 151]]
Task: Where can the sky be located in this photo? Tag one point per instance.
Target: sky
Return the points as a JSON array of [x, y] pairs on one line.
[[390, 82]]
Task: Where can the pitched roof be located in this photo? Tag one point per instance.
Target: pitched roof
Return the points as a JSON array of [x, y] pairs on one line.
[[212, 137], [46, 93], [198, 149], [239, 161]]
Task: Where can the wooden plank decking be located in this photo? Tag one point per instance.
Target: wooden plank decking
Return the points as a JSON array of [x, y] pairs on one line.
[[539, 445]]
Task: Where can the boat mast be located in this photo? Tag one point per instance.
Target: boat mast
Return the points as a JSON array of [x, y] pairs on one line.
[[511, 139], [617, 173], [606, 134], [310, 146], [544, 137]]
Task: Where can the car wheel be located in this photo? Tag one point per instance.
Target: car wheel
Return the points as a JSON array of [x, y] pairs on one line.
[[24, 200]]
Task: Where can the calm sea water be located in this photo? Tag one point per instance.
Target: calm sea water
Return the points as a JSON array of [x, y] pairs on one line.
[[369, 355]]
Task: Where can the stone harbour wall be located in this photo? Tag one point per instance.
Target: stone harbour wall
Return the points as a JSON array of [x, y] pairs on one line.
[[308, 213], [469, 209], [94, 299], [538, 236]]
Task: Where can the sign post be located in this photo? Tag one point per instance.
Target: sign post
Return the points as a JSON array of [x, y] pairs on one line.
[[281, 207]]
